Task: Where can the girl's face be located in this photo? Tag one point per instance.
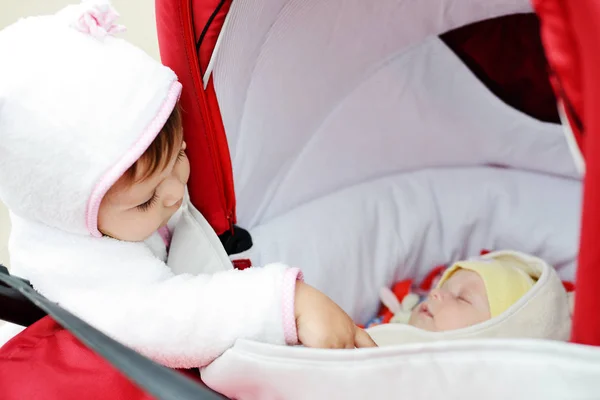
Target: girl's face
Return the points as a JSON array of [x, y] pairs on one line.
[[460, 302], [134, 211]]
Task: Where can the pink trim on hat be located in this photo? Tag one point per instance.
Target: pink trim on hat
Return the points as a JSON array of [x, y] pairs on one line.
[[133, 154]]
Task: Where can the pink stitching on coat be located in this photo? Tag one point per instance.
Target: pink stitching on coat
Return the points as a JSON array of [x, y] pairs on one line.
[[290, 330], [132, 155], [166, 235]]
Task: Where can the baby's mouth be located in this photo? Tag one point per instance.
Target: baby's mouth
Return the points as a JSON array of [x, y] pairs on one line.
[[424, 309]]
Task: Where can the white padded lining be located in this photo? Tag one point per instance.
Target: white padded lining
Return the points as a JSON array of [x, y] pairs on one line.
[[469, 370]]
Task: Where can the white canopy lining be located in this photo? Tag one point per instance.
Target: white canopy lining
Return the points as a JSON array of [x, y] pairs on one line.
[[325, 101], [256, 18]]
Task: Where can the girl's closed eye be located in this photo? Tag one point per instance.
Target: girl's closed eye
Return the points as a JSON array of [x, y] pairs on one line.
[[181, 155], [148, 204]]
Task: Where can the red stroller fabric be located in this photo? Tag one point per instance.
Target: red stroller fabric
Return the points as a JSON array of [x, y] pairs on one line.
[[179, 28], [46, 362], [570, 32], [507, 55]]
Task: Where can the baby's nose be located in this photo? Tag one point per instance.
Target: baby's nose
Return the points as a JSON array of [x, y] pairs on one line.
[[437, 294]]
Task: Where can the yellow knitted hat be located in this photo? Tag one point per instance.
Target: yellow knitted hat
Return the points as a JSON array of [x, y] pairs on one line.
[[505, 282]]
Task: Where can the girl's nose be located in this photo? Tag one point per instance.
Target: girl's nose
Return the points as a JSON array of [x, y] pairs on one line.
[[175, 191]]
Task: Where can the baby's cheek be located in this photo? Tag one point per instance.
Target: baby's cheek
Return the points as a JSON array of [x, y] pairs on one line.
[[414, 315], [421, 321], [450, 320]]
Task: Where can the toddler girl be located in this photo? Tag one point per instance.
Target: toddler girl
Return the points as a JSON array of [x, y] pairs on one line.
[[94, 172]]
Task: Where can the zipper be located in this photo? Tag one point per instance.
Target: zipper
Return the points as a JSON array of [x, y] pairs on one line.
[[224, 179]]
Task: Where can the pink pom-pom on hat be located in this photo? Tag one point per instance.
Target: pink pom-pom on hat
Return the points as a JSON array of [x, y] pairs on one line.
[[97, 19]]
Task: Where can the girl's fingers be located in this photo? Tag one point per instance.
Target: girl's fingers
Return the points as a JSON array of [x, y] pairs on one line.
[[362, 339]]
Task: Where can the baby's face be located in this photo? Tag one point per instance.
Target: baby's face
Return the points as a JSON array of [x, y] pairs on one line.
[[133, 211], [460, 302]]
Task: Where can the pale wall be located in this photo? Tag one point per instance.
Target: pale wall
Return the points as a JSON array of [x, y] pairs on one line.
[[4, 230], [136, 15]]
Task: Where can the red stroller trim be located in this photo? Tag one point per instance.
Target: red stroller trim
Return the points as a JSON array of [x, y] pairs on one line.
[[570, 31], [211, 183]]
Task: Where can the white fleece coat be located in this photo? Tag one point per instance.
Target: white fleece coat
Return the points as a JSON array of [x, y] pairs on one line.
[[77, 108]]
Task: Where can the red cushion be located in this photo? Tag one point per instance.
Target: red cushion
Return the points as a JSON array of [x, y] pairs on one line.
[[46, 362]]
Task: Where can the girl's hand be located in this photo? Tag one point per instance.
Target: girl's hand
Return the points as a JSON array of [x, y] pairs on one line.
[[322, 323]]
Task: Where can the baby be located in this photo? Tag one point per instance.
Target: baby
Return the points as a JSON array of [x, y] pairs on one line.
[[94, 171], [471, 292], [503, 294]]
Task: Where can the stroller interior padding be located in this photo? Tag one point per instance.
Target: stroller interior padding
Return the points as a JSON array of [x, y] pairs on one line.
[[364, 151], [355, 241], [344, 203]]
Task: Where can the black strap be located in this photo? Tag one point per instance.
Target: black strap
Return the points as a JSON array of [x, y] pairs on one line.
[[14, 307], [158, 381], [205, 29], [236, 241]]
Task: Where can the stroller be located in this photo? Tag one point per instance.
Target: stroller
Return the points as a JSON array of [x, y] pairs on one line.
[[368, 143]]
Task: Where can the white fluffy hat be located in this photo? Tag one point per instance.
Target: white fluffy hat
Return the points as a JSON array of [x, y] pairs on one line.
[[78, 107]]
